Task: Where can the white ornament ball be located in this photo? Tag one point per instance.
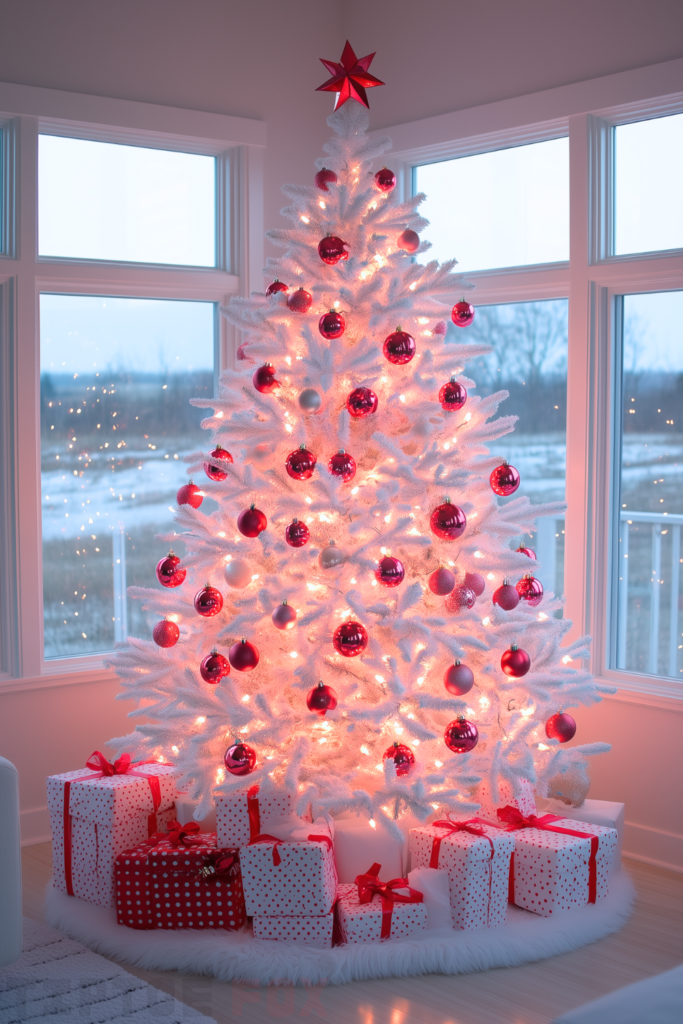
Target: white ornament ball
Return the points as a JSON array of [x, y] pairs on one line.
[[310, 400], [284, 616], [238, 573], [331, 556]]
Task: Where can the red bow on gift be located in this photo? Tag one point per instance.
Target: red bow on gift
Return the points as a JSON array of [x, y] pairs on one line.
[[470, 826], [277, 859], [178, 834], [370, 886], [220, 864], [98, 763]]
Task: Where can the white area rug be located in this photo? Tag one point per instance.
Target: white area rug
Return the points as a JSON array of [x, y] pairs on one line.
[[60, 981], [240, 957]]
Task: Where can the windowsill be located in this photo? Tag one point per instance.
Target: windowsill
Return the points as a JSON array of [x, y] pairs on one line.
[[63, 676], [648, 691]]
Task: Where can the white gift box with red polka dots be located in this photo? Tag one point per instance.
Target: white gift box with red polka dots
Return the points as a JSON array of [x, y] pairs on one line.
[[305, 931], [478, 869], [362, 922], [524, 801], [105, 816], [552, 870], [297, 877], [246, 814]]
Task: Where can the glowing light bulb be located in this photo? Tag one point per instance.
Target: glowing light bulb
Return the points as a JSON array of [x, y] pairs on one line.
[[305, 219], [380, 679], [542, 746], [321, 204], [478, 554], [468, 417], [364, 750], [542, 616], [200, 720], [439, 764], [413, 286], [355, 490], [486, 621], [420, 681], [245, 699], [490, 576], [372, 823], [219, 415], [175, 750], [221, 533], [566, 659], [294, 654]]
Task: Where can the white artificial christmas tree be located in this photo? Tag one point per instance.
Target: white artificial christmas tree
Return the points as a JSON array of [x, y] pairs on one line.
[[411, 455]]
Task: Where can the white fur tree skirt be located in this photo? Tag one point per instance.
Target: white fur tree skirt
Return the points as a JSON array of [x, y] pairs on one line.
[[240, 957]]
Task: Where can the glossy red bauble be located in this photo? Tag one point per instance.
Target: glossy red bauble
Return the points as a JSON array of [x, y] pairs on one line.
[[297, 534], [476, 582], [350, 639], [215, 472], [284, 616], [361, 402], [461, 736], [408, 240], [243, 656], [166, 634], [189, 494], [332, 249], [300, 463], [385, 180], [402, 756], [264, 379], [168, 573], [506, 596], [214, 667], [332, 325], [208, 602], [441, 581], [447, 521], [462, 313], [240, 759], [390, 571], [324, 178], [399, 347], [458, 679], [515, 662], [530, 590], [321, 698], [504, 480], [560, 727], [300, 301], [461, 598], [343, 465], [276, 286], [452, 395], [529, 552], [251, 522]]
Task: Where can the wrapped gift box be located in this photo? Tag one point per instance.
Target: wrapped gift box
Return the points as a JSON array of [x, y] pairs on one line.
[[478, 868], [357, 844], [243, 815], [294, 877], [597, 812], [524, 799], [305, 931], [363, 922], [558, 870], [185, 807], [96, 817]]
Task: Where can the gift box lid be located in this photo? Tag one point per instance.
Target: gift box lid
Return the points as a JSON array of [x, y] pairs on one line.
[[477, 847], [108, 800]]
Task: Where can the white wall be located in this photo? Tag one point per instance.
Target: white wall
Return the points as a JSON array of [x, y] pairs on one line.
[[260, 60]]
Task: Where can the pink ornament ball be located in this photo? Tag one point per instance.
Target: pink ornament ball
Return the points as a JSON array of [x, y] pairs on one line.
[[300, 301], [321, 698], [408, 240], [332, 325], [399, 347], [251, 522], [214, 472], [530, 590], [461, 736], [332, 249], [458, 679], [264, 380], [300, 463], [504, 480], [506, 596], [385, 180], [166, 633], [461, 598], [284, 616], [560, 727], [529, 552], [350, 639], [243, 656], [462, 313], [390, 572], [276, 287], [168, 573], [447, 521], [515, 662], [441, 581], [452, 396], [240, 759], [189, 494], [214, 667], [324, 178], [208, 602], [361, 402], [297, 534], [342, 465], [402, 756]]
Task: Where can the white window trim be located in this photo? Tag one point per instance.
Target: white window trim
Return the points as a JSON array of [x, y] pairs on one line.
[[591, 280], [25, 112]]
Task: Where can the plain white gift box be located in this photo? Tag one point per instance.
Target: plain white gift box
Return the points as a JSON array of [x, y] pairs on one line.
[[184, 812], [357, 845], [595, 812]]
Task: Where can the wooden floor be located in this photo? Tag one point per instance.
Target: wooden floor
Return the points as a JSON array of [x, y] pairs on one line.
[[651, 942]]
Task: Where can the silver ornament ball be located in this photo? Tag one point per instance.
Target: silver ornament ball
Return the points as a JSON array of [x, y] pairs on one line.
[[310, 400], [331, 556]]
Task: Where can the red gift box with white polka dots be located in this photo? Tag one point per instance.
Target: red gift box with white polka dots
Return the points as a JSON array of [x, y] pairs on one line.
[[305, 931], [362, 922]]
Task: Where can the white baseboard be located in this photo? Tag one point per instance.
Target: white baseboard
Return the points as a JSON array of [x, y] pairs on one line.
[[35, 826], [653, 846]]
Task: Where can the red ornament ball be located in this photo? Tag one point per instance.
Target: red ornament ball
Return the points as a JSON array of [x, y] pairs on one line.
[[297, 534], [385, 180], [324, 178], [402, 756], [560, 727], [476, 582], [342, 464], [504, 480], [284, 616], [321, 698], [390, 571], [461, 736], [208, 602], [441, 581], [189, 494], [166, 634], [529, 552], [214, 667], [300, 463], [350, 639], [461, 598], [506, 596], [399, 347], [458, 679], [530, 590], [300, 301], [447, 521], [214, 472], [331, 250], [462, 313], [168, 573], [408, 240], [332, 325], [243, 656], [264, 379], [515, 662], [452, 396], [251, 522], [361, 402], [276, 286], [240, 759]]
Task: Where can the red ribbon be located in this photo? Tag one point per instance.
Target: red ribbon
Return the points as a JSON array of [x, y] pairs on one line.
[[254, 812], [185, 835], [370, 886], [515, 821], [277, 859]]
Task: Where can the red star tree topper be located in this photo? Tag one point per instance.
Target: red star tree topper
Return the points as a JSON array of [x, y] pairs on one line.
[[350, 78]]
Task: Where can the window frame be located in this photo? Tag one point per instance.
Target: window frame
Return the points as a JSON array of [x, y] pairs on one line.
[[25, 112]]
